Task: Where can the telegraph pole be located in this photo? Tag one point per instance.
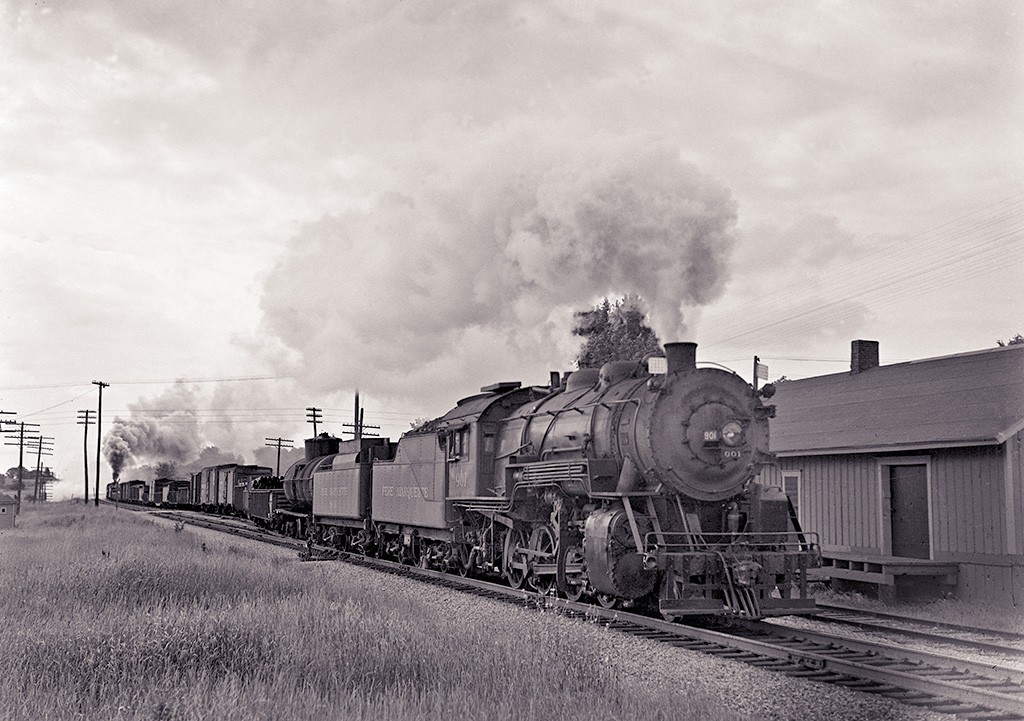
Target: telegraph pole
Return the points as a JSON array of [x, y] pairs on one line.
[[21, 457], [40, 444], [85, 419], [99, 438], [313, 416], [279, 442], [4, 420], [358, 427]]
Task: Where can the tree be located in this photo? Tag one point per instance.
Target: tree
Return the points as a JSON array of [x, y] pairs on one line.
[[10, 479], [1016, 340], [615, 331]]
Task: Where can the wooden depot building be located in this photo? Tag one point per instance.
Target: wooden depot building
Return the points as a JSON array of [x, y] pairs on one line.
[[8, 508], [910, 473]]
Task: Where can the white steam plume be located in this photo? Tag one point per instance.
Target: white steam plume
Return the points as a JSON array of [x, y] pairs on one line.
[[480, 260]]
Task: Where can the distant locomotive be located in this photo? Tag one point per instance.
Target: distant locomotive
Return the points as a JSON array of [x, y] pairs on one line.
[[629, 486]]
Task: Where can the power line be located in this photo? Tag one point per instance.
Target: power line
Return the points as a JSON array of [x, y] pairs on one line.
[[99, 436], [313, 415], [163, 381], [995, 243], [21, 457], [85, 420], [57, 405], [279, 443], [912, 247]]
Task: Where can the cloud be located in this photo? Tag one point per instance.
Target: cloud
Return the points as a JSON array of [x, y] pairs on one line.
[[491, 242], [429, 187]]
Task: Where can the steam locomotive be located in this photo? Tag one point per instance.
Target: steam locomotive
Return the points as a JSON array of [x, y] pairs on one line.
[[632, 485]]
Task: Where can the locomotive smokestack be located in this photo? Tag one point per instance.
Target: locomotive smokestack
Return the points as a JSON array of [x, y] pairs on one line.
[[681, 356]]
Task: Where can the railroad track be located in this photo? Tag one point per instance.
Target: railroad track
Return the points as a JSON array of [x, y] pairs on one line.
[[966, 689], [1007, 643]]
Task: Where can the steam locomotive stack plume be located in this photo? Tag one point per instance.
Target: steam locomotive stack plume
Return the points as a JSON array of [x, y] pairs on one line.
[[143, 440], [160, 430], [486, 253]]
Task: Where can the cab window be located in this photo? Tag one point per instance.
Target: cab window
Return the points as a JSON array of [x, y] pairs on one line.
[[458, 446]]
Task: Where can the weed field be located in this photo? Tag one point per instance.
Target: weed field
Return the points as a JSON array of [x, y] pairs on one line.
[[107, 614]]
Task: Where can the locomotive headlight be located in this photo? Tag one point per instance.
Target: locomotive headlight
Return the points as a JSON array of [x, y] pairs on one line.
[[732, 434]]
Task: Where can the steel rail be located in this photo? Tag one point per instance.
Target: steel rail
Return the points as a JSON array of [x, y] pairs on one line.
[[975, 691], [891, 650], [938, 631]]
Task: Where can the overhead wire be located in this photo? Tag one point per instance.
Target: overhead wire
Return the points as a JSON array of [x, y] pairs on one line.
[[157, 381], [882, 297], [906, 249], [993, 242], [910, 246]]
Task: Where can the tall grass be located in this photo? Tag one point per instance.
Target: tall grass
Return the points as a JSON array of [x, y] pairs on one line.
[[108, 615]]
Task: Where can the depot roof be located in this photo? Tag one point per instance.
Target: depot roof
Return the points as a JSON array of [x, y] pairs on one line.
[[966, 399]]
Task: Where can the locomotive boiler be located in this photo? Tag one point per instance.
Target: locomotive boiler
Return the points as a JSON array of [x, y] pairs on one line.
[[632, 485]]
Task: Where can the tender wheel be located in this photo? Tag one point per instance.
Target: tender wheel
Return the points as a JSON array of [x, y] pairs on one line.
[[543, 547], [516, 560]]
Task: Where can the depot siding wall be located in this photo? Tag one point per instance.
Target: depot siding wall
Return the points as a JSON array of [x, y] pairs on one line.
[[976, 509], [838, 499], [968, 503]]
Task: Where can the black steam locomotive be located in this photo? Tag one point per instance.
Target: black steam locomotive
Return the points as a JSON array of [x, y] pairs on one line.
[[631, 485]]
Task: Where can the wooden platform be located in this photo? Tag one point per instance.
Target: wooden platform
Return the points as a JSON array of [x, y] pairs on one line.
[[891, 574]]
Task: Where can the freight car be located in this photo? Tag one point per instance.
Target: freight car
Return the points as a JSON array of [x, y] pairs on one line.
[[220, 488], [631, 485], [262, 504], [226, 489]]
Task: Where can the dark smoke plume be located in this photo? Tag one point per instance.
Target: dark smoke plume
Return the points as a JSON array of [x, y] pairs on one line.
[[169, 437], [162, 434]]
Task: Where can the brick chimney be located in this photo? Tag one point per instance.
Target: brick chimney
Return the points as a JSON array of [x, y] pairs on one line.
[[863, 355]]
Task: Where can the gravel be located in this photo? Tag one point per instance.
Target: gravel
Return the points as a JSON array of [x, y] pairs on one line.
[[654, 667], [1011, 660]]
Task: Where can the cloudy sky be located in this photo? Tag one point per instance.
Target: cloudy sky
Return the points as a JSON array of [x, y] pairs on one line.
[[277, 203]]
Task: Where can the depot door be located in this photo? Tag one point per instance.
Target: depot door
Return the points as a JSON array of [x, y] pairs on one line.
[[908, 485]]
